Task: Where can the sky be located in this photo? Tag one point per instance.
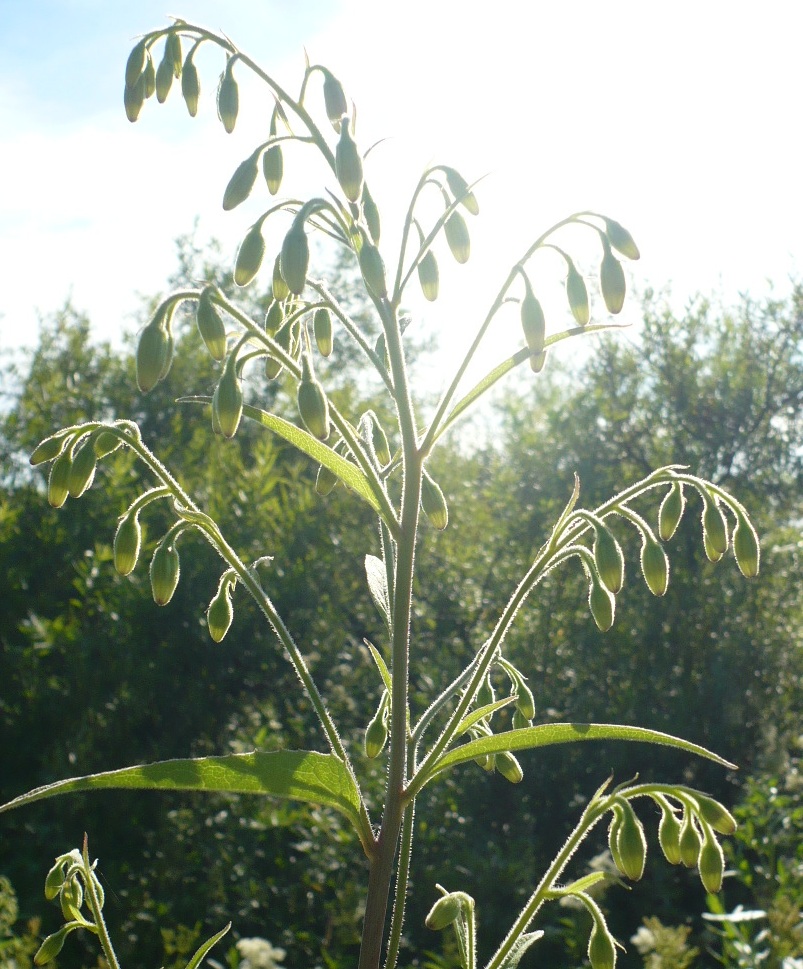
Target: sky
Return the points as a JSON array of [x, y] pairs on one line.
[[680, 120]]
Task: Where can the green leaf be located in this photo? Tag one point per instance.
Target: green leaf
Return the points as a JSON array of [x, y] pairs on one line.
[[481, 713], [520, 946], [547, 734], [300, 775], [206, 946], [378, 584], [381, 665]]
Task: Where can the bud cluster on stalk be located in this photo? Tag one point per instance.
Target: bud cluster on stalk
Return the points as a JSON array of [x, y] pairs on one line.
[[67, 882]]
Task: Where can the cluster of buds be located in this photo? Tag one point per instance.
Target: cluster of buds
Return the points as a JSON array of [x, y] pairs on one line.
[[74, 882]]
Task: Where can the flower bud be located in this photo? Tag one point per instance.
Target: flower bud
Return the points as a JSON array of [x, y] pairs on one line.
[[312, 403], [669, 835], [348, 164], [58, 485], [671, 511], [486, 693], [433, 503], [376, 733], [48, 449], [325, 481], [164, 573], [428, 276], [715, 530], [654, 566], [632, 844], [250, 255], [577, 295], [154, 355], [322, 328], [241, 183], [127, 541], [274, 318], [532, 321], [82, 470], [228, 99], [52, 945], [104, 443], [135, 63], [173, 52], [602, 604], [334, 99], [220, 613], [133, 99], [538, 361], [518, 721], [380, 442], [715, 814], [612, 282], [601, 948], [210, 326], [689, 841], [509, 767], [55, 879], [371, 213], [445, 911], [280, 288], [711, 863], [273, 168], [458, 186], [608, 558], [525, 701], [746, 547], [164, 77], [190, 85], [620, 239], [295, 259], [149, 78], [457, 237], [228, 400], [372, 268]]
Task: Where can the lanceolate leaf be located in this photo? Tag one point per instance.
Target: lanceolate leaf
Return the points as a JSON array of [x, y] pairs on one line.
[[300, 775], [378, 583], [203, 949], [520, 946], [548, 734]]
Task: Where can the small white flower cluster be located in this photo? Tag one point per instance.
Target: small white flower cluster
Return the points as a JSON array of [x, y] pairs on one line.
[[259, 954]]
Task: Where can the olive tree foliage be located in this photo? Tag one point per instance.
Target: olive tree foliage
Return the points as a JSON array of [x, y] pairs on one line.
[[382, 459]]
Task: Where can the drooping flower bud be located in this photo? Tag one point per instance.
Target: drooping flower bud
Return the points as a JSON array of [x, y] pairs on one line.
[[601, 948], [104, 443], [445, 911], [669, 835], [135, 64], [533, 321], [312, 403], [228, 98], [280, 288], [380, 442], [273, 168], [715, 814], [602, 604], [334, 99], [58, 485], [654, 566], [173, 51], [149, 78], [433, 503], [134, 98], [190, 85], [210, 325], [525, 701], [295, 259], [671, 511], [689, 841], [164, 77], [220, 614], [620, 239], [746, 547], [457, 237], [715, 530], [228, 400], [459, 188], [127, 541], [250, 255], [164, 572], [577, 294], [82, 470], [348, 164], [428, 276], [612, 282], [631, 844], [274, 317], [154, 354], [322, 328], [376, 733], [608, 558], [241, 183], [325, 481], [52, 945], [711, 863], [372, 268], [371, 213], [50, 448]]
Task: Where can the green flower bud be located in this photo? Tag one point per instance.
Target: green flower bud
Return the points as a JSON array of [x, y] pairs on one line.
[[149, 78], [372, 268], [445, 911], [58, 485], [173, 52], [164, 573], [322, 328], [220, 613], [458, 186], [612, 282], [654, 566], [325, 481], [82, 470], [105, 443], [433, 503], [577, 295], [135, 63], [371, 213], [154, 355], [334, 99], [241, 183], [669, 835], [380, 442], [312, 403], [127, 541], [381, 350], [190, 85], [715, 814], [428, 276], [601, 948], [602, 604], [210, 326], [274, 317], [518, 721], [164, 77], [52, 945], [712, 863], [617, 817], [608, 558], [746, 547], [376, 733], [532, 321], [228, 99], [689, 841], [55, 879], [525, 701], [71, 898], [509, 767], [671, 511], [632, 844], [715, 530], [48, 449], [280, 288], [295, 259], [250, 255], [273, 168], [621, 240], [457, 237], [538, 361], [134, 98], [486, 693], [348, 164], [228, 400]]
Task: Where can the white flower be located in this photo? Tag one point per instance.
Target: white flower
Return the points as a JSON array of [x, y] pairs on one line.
[[643, 940], [259, 954]]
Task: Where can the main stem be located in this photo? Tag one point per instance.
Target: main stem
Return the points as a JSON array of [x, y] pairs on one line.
[[381, 870]]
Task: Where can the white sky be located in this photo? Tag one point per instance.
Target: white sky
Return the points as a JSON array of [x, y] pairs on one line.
[[681, 120]]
